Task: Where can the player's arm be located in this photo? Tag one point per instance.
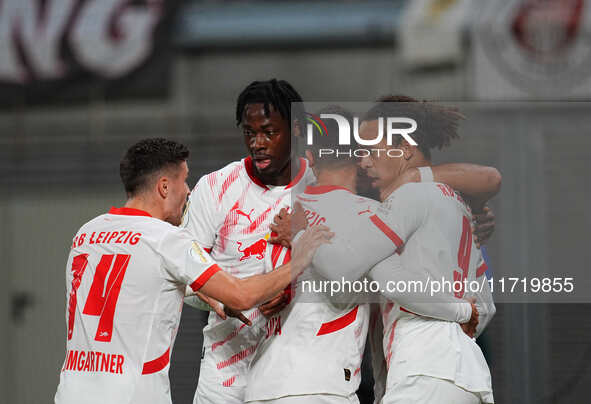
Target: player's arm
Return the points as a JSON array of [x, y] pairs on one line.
[[484, 299], [371, 238], [200, 214], [203, 302], [243, 294], [418, 296], [477, 183], [199, 221]]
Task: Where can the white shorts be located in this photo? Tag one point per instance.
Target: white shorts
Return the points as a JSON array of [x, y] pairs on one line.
[[428, 390], [311, 399], [219, 395]]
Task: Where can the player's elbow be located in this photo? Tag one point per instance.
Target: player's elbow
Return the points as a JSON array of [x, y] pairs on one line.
[[493, 180]]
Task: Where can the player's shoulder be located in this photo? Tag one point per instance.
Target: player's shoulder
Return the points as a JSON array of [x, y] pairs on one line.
[[216, 178], [92, 223], [412, 190]]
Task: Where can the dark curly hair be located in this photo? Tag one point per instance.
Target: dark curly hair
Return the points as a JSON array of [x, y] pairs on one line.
[[147, 157], [437, 125], [278, 93]]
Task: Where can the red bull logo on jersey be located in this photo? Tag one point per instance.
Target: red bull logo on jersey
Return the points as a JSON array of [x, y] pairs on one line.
[[256, 249]]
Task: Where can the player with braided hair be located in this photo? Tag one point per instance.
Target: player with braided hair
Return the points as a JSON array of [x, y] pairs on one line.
[[229, 212]]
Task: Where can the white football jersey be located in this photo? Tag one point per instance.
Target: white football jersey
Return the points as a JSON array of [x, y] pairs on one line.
[[230, 211], [316, 344], [125, 280], [433, 225]]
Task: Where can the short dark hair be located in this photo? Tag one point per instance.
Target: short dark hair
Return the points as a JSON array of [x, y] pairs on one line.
[[147, 157], [277, 93], [437, 125], [328, 138]]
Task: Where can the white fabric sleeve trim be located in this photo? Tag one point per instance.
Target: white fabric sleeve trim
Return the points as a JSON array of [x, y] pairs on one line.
[[426, 174]]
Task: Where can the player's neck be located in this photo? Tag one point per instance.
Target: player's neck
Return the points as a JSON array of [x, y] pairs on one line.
[[345, 177], [415, 162], [143, 203], [283, 178], [419, 161]]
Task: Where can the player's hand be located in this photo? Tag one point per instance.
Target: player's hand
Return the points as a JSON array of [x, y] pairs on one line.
[[237, 314], [286, 225], [470, 327], [214, 304], [281, 227], [483, 225], [275, 305], [304, 248]]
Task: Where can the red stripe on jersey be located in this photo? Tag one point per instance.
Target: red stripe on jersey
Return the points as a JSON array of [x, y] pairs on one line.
[[230, 221], [323, 189], [250, 172], [339, 323], [356, 371], [389, 349], [229, 382], [256, 223], [306, 199], [212, 180], [386, 230], [128, 212], [407, 311], [481, 270], [234, 333], [157, 364], [208, 250], [299, 175], [275, 252], [237, 357], [388, 308], [228, 181], [204, 277]]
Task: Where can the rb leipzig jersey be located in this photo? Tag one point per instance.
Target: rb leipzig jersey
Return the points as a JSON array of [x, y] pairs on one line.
[[230, 211], [319, 346], [125, 278], [432, 224]]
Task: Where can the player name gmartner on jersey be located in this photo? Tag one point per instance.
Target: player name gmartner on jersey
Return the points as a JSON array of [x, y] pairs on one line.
[[125, 281]]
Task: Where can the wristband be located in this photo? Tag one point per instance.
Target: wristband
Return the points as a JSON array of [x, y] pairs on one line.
[[426, 174]]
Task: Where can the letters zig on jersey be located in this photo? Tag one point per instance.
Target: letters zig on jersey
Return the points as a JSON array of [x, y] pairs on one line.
[[316, 331]]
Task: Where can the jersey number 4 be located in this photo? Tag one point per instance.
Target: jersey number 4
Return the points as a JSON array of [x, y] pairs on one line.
[[463, 256], [103, 296]]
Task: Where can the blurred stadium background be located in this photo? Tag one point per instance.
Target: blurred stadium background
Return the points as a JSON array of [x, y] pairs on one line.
[[82, 80]]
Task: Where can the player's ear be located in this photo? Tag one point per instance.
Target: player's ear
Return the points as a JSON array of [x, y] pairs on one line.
[[309, 157], [407, 149], [163, 186]]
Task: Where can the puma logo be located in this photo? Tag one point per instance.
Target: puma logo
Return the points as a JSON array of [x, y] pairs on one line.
[[241, 213]]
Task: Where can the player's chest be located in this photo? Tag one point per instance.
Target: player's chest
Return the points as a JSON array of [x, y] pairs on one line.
[[243, 229]]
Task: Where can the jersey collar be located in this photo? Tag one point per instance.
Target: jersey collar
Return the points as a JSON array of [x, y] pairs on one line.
[[323, 189], [250, 171], [128, 212]]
